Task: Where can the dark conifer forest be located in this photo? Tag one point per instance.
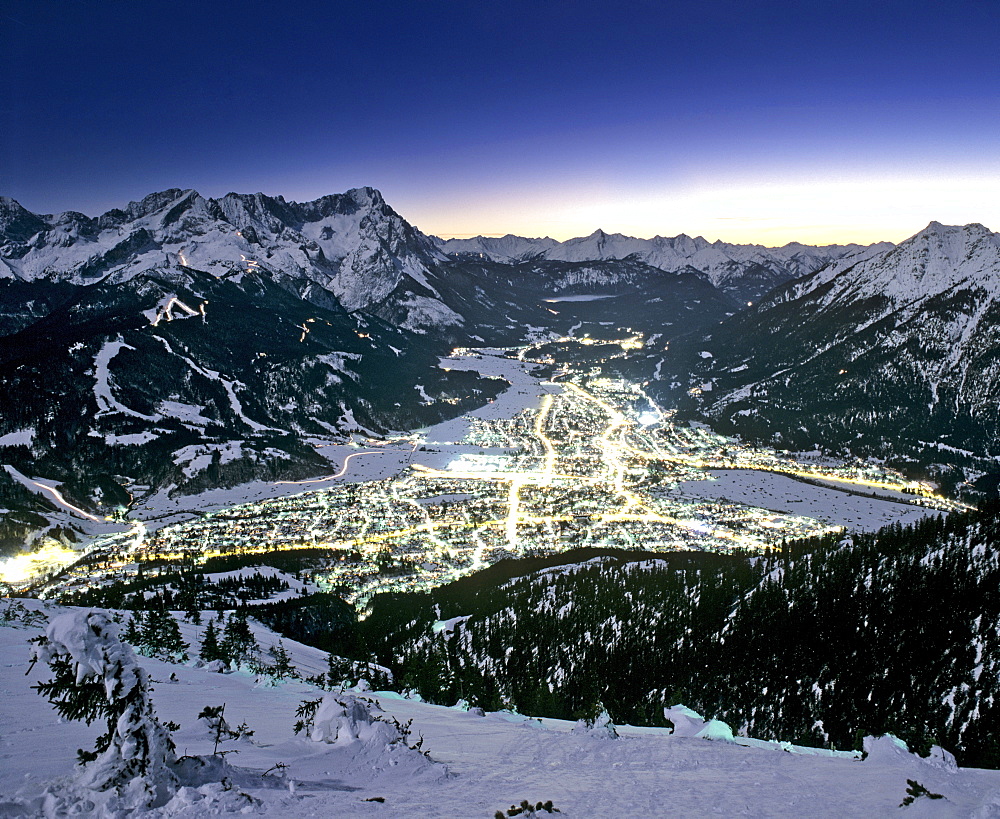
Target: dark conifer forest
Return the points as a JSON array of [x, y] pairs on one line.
[[827, 641]]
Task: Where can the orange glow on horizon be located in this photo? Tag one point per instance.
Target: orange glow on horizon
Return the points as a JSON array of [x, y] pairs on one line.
[[770, 213]]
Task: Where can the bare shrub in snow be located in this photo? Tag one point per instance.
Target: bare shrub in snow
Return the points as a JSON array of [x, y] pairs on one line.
[[344, 719], [221, 731], [526, 808]]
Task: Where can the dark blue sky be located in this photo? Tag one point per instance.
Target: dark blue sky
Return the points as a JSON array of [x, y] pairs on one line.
[[745, 121]]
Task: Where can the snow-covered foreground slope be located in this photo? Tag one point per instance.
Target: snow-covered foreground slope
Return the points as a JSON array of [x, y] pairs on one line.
[[481, 764]]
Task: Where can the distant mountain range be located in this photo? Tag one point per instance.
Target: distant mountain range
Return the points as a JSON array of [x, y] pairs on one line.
[[743, 272], [352, 246]]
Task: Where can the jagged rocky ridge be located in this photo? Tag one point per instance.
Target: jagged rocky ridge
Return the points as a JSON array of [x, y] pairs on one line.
[[894, 354], [351, 245], [830, 640]]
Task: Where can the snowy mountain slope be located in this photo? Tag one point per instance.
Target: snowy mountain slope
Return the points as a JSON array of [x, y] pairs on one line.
[[894, 353], [507, 248], [744, 272], [499, 300], [478, 764]]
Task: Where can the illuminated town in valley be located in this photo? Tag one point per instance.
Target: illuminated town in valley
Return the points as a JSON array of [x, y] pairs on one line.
[[567, 457]]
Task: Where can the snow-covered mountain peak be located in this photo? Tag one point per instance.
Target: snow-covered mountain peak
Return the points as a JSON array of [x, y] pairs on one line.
[[366, 196], [352, 244], [972, 229], [889, 350], [953, 243], [938, 259], [16, 223], [155, 202], [507, 248], [257, 211]]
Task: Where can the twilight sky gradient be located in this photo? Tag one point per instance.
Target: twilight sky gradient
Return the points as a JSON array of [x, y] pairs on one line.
[[744, 121]]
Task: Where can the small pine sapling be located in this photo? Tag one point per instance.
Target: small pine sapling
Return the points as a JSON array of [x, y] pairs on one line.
[[282, 667], [338, 670], [404, 734], [238, 641], [133, 630], [220, 730], [210, 649], [915, 790], [305, 714], [160, 637], [173, 644]]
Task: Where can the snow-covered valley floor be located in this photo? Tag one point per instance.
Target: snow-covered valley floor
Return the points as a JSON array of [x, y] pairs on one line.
[[481, 764], [828, 503]]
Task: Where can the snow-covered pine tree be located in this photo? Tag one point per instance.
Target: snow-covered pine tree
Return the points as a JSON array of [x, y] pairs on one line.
[[210, 648], [282, 667], [96, 676], [133, 630], [238, 641], [161, 637], [338, 671]]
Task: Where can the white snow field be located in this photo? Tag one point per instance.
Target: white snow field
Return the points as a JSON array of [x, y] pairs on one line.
[[779, 493], [479, 764], [525, 392]]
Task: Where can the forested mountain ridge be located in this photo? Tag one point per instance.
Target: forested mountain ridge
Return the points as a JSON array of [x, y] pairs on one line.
[[179, 379], [893, 355], [828, 640]]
